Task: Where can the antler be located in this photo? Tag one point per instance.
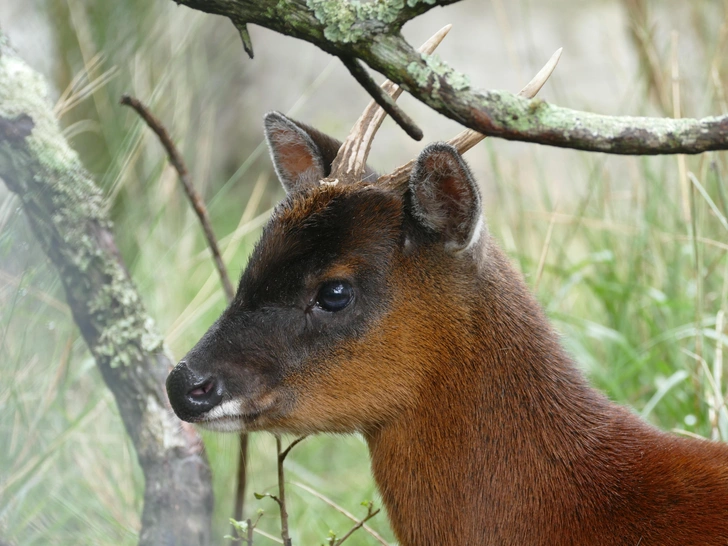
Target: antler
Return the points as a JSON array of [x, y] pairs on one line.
[[351, 158], [469, 138]]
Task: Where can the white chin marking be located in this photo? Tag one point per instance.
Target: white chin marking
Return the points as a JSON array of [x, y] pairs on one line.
[[229, 408], [224, 417], [227, 424]]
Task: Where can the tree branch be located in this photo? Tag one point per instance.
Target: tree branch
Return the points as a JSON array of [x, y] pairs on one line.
[[370, 32], [382, 98], [67, 213]]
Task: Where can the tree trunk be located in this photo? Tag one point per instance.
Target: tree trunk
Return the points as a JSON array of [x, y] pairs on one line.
[[66, 212]]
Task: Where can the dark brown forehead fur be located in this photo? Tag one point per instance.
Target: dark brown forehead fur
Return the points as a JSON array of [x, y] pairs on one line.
[[314, 231]]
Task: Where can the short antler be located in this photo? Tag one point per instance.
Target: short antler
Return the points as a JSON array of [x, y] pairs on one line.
[[352, 156], [469, 138]]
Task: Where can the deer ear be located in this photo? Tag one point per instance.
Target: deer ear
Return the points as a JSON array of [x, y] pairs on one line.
[[301, 155], [444, 197]]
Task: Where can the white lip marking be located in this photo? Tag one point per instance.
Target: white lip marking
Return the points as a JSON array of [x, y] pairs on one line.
[[229, 408], [225, 425]]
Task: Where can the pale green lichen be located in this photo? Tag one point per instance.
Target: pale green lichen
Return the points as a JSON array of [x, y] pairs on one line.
[[420, 73], [434, 71], [344, 21], [22, 90], [70, 216], [536, 104]]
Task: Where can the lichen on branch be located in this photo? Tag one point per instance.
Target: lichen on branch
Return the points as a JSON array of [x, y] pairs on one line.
[[370, 32], [67, 213]]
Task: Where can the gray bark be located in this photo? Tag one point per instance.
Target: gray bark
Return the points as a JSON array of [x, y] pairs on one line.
[[66, 212], [370, 32]]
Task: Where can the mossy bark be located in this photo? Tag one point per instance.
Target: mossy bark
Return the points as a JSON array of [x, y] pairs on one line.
[[371, 32], [66, 211]]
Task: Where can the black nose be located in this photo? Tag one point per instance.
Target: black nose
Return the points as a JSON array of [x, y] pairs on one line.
[[191, 394]]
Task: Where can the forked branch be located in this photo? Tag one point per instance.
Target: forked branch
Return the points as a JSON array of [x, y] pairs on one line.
[[371, 33]]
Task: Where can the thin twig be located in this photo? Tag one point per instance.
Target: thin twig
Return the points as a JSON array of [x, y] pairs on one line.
[[242, 476], [281, 499], [245, 37], [199, 206], [249, 533], [341, 510], [359, 524], [184, 176], [282, 456], [383, 99]]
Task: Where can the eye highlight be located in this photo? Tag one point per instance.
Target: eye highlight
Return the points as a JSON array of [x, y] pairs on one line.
[[334, 295]]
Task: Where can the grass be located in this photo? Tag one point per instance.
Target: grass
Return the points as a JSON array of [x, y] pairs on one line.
[[628, 255]]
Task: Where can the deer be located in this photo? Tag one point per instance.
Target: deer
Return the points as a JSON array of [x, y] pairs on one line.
[[383, 306]]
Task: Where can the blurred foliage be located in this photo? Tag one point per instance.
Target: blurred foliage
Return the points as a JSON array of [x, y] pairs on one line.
[[627, 256]]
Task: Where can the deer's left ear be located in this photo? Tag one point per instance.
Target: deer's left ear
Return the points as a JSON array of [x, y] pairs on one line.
[[444, 197]]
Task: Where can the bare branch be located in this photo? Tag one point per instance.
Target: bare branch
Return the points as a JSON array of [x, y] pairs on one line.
[[358, 525], [372, 34], [242, 477], [184, 176], [251, 526], [282, 456], [245, 37], [381, 97], [351, 158], [379, 538], [468, 138], [282, 491]]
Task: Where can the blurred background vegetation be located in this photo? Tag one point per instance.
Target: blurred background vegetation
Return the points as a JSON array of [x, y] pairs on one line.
[[628, 255]]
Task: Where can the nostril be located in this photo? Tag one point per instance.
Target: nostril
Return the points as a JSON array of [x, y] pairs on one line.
[[202, 389], [193, 394]]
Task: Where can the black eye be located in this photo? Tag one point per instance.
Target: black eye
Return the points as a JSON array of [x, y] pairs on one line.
[[334, 295]]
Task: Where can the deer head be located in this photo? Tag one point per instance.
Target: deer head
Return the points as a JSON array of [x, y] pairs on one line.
[[338, 317]]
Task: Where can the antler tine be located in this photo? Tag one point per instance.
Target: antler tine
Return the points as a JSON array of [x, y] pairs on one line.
[[468, 138], [352, 156]]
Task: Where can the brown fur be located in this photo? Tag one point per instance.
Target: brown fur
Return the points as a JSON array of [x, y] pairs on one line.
[[504, 443], [480, 428]]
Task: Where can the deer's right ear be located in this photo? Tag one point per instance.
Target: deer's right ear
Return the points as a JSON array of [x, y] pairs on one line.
[[301, 155]]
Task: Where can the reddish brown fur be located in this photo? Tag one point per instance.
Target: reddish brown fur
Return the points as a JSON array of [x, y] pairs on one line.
[[481, 429], [507, 440]]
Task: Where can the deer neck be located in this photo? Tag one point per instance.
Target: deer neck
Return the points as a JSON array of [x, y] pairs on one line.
[[489, 423]]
